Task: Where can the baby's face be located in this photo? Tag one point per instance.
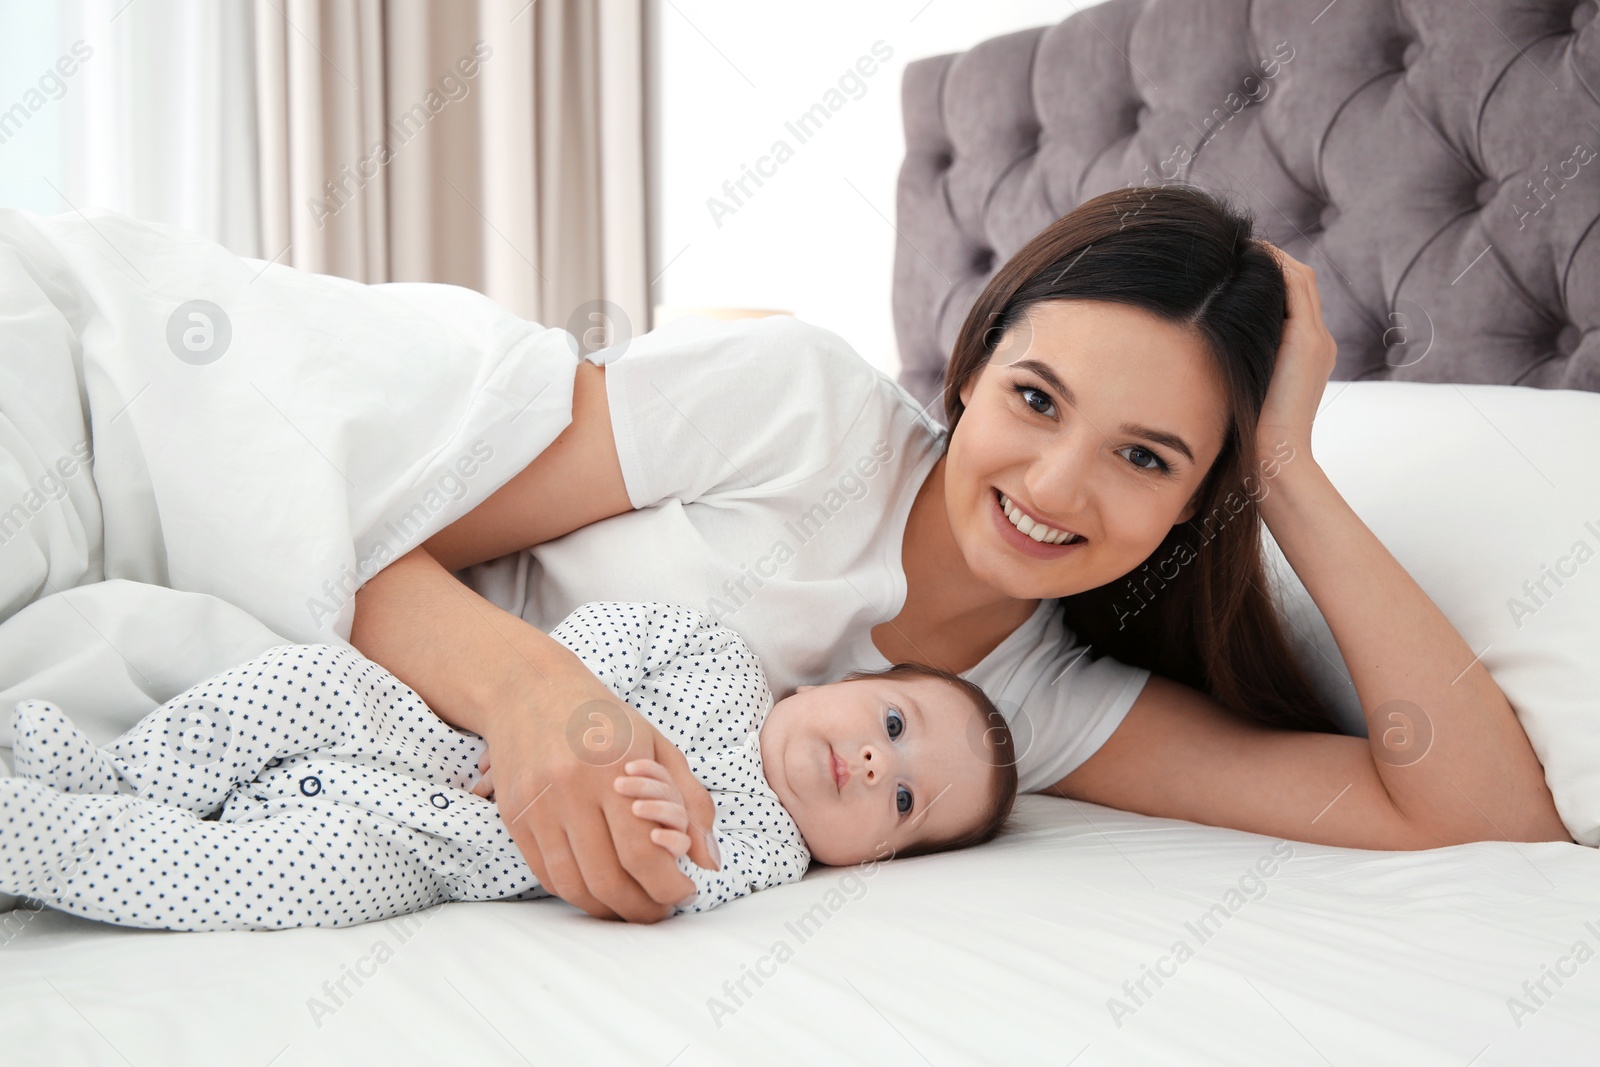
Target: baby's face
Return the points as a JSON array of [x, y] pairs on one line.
[[874, 765]]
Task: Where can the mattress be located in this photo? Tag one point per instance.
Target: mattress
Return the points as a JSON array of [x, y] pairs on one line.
[[1082, 936]]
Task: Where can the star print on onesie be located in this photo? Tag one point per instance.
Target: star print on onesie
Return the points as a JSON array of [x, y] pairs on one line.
[[310, 787]]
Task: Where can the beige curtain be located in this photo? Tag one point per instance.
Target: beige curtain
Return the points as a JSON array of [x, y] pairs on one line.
[[495, 144]]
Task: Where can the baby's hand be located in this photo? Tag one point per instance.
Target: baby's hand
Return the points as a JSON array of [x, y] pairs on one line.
[[659, 801], [485, 786]]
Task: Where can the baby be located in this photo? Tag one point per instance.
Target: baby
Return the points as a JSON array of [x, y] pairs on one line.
[[310, 787]]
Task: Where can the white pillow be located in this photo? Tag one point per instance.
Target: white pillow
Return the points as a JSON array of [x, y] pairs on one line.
[[1482, 492]]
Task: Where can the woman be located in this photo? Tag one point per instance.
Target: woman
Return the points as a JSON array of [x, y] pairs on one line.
[[1126, 391]]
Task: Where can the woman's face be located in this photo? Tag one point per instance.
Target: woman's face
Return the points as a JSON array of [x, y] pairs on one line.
[[1095, 419]]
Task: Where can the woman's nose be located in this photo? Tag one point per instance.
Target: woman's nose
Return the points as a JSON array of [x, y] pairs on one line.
[[1058, 482]]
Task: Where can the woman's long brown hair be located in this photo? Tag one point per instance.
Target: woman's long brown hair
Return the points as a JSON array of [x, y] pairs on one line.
[[1197, 610]]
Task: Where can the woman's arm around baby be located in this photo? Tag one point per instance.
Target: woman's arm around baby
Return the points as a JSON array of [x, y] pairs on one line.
[[485, 670]]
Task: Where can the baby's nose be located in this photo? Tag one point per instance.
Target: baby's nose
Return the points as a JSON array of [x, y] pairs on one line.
[[872, 764]]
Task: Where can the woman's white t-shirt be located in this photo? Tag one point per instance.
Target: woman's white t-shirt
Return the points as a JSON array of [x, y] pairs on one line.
[[772, 470]]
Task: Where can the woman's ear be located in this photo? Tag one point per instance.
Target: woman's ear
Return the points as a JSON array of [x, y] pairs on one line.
[[1189, 509]]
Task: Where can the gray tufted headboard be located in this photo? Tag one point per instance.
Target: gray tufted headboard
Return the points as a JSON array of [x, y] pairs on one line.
[[1436, 161]]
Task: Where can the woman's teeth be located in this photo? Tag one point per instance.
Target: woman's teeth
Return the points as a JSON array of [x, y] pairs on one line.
[[1037, 530]]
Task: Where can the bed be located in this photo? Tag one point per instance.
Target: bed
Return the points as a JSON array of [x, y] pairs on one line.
[[1023, 953], [1085, 935]]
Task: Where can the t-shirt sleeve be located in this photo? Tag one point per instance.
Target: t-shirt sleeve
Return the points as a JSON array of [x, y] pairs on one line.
[[701, 407], [1060, 700]]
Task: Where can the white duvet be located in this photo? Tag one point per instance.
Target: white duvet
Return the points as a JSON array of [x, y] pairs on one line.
[[201, 456]]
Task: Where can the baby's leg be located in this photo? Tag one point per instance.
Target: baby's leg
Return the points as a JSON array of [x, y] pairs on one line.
[[49, 749], [292, 699], [126, 860]]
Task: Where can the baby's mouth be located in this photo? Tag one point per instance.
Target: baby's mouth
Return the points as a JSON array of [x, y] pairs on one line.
[[840, 772]]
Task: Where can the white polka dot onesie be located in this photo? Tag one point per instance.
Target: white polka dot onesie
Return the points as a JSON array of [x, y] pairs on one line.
[[310, 787]]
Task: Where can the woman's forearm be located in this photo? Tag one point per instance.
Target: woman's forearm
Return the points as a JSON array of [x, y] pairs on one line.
[[1445, 741], [455, 649], [482, 669]]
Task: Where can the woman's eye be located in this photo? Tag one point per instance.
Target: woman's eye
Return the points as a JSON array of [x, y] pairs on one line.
[[903, 800], [1036, 399], [897, 723], [1137, 455]]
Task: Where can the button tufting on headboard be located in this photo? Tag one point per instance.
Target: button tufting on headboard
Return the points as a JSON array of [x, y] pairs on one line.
[[1456, 146], [1568, 339]]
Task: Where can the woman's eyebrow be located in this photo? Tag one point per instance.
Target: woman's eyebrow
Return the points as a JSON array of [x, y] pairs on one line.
[[1160, 437]]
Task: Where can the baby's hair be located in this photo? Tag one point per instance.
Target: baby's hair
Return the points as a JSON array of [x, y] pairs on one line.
[[1000, 747]]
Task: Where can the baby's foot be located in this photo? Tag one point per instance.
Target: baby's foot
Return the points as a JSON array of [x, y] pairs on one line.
[[47, 748]]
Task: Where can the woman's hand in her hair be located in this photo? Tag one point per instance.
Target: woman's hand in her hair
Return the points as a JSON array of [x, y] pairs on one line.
[[1306, 357]]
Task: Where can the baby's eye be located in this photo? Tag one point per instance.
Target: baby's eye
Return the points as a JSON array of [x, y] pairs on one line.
[[903, 801], [897, 723]]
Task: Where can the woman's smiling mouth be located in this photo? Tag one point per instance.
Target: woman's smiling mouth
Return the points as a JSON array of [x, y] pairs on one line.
[[1056, 542]]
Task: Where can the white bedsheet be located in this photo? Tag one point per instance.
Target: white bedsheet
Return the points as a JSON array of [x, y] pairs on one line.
[[1006, 954]]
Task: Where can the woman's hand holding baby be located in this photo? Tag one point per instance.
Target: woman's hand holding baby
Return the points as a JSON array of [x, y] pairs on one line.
[[657, 799], [534, 702], [558, 742]]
